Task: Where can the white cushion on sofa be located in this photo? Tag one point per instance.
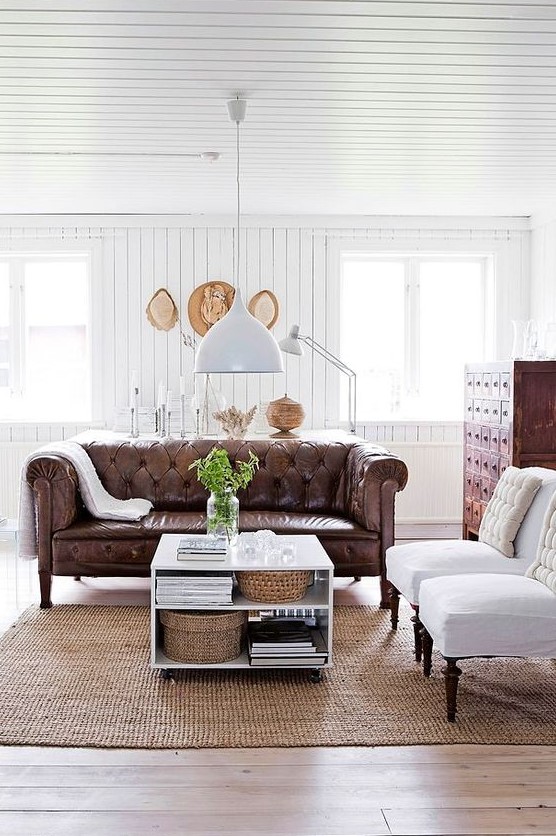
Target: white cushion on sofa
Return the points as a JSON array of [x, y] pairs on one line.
[[507, 507], [489, 615]]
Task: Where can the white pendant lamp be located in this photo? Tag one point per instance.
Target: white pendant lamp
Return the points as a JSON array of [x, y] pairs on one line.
[[238, 342]]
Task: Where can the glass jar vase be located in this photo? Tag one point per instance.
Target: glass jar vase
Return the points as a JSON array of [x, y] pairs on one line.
[[223, 516]]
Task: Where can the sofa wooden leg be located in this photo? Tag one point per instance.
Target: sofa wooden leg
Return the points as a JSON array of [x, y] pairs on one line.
[[451, 677], [426, 645], [45, 583], [77, 577], [394, 606], [417, 637], [357, 577]]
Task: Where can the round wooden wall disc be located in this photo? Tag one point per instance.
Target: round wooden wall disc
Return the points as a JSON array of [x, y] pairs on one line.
[[209, 303]]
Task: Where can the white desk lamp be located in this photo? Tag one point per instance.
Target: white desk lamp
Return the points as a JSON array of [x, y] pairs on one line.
[[292, 345]]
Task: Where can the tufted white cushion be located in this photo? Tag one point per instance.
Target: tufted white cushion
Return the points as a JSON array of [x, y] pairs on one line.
[[508, 505], [543, 569]]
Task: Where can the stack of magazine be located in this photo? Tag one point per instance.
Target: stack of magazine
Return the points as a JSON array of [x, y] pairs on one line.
[[285, 642], [196, 546], [207, 589]]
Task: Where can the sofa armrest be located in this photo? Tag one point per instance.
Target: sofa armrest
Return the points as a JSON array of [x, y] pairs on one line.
[[374, 475], [54, 483]]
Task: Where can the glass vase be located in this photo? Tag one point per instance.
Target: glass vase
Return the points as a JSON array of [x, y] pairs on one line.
[[223, 516]]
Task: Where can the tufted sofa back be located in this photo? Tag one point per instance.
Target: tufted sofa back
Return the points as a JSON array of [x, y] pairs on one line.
[[294, 475]]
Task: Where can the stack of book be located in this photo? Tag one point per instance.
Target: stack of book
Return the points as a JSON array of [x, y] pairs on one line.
[[196, 546], [285, 642], [209, 589]]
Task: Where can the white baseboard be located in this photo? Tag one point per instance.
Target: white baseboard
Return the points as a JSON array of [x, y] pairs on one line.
[[415, 530]]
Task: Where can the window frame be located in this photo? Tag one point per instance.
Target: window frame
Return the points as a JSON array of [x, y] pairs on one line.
[[411, 256], [51, 251]]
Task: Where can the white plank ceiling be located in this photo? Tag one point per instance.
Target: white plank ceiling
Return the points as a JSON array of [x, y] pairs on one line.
[[354, 107]]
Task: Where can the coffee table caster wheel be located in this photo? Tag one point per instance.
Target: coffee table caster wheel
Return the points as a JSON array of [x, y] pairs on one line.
[[166, 674], [316, 675]]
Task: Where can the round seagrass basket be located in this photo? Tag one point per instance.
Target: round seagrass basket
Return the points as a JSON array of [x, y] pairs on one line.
[[274, 587], [202, 637]]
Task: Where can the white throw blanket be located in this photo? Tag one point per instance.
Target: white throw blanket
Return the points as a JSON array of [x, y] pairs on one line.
[[98, 502]]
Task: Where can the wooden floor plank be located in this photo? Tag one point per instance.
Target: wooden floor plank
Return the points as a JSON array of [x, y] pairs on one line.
[[222, 823], [468, 822], [283, 776], [371, 756], [294, 799]]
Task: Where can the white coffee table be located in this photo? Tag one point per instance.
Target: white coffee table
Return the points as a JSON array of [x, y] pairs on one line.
[[309, 555]]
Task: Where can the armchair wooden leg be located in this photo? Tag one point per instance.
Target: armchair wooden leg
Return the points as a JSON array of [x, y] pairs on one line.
[[45, 583], [451, 676], [417, 627], [385, 587], [426, 644], [394, 606]]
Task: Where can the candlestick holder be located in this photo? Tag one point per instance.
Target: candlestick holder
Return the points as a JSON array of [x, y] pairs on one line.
[[134, 415], [182, 416], [161, 413], [167, 421]]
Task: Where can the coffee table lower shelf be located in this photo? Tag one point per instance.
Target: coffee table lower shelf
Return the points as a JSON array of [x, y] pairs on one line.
[[168, 667]]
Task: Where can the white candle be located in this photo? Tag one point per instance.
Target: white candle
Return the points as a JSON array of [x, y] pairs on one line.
[[161, 395], [182, 385], [169, 401]]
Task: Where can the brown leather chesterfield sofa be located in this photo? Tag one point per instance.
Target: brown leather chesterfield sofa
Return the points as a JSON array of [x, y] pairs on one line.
[[341, 491]]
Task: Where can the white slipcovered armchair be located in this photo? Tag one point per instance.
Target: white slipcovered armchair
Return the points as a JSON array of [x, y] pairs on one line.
[[492, 615], [410, 564]]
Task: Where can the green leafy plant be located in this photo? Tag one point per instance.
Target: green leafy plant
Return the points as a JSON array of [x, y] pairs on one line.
[[216, 474]]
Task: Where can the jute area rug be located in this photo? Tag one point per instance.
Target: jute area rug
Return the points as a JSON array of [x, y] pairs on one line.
[[80, 676]]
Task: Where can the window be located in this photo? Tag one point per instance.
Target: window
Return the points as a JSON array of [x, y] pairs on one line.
[[45, 356], [408, 326]]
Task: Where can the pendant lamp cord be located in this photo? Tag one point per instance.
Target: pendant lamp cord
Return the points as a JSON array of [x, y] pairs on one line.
[[238, 206]]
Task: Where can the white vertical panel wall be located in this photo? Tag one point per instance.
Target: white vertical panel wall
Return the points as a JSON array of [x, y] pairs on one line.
[[295, 258]]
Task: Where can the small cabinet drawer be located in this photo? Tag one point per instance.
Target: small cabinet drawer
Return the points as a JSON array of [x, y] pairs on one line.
[[485, 410], [476, 486], [477, 409], [469, 384], [495, 387], [505, 413], [505, 385], [494, 439], [485, 437], [478, 385], [487, 384], [485, 464], [477, 512], [504, 464], [495, 411], [504, 441], [476, 460], [468, 510], [469, 409], [486, 489], [494, 466], [468, 483]]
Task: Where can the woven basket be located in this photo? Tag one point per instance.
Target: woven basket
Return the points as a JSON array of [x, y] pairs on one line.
[[274, 587], [202, 637]]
